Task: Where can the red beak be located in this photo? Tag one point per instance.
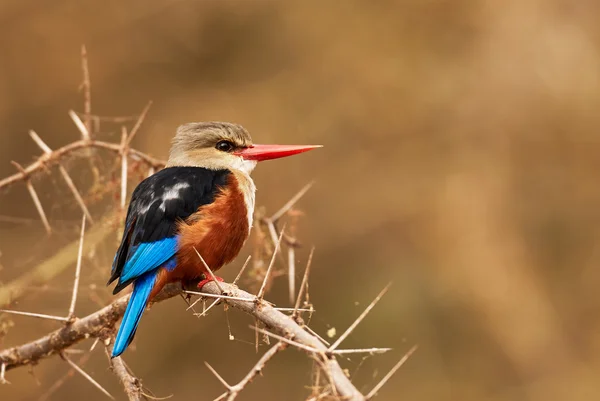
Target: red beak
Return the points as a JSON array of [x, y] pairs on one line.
[[268, 152]]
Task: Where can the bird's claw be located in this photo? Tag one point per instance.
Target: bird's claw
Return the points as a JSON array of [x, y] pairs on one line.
[[208, 280]]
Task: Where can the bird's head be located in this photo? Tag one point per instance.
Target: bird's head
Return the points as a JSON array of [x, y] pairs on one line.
[[218, 145]]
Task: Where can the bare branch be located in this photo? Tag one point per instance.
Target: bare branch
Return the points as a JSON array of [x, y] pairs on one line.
[[46, 159], [387, 377], [97, 323], [233, 391], [131, 384], [71, 314], [360, 318]]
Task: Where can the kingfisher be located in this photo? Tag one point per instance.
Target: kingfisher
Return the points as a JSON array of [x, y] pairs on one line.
[[202, 202]]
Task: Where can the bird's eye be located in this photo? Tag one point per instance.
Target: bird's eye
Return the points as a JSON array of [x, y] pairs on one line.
[[224, 146]]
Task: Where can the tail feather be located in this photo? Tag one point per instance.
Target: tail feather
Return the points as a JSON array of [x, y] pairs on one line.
[[142, 287]]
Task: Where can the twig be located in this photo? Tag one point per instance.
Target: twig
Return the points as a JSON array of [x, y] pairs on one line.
[[387, 377], [53, 266], [359, 319], [87, 91], [304, 283], [131, 384], [261, 292], [233, 391], [32, 314], [43, 161], [71, 314], [86, 375], [124, 171], [139, 122]]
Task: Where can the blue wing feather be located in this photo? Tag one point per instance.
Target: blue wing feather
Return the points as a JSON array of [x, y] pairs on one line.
[[142, 288], [147, 257]]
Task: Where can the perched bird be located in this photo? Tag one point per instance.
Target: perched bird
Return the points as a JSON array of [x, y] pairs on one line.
[[203, 200]]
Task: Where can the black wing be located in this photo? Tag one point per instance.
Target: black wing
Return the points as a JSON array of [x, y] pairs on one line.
[[157, 204]]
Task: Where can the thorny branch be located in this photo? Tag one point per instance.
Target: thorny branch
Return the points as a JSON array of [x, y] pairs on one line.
[[102, 322], [101, 325]]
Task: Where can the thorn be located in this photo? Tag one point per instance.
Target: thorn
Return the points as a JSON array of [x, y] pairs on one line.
[[242, 270], [209, 271], [85, 135], [292, 272], [359, 319], [38, 315], [71, 314], [401, 362], [222, 296], [34, 197], [277, 215], [123, 167], [286, 340], [75, 192], [3, 373], [218, 376], [138, 123], [261, 292], [304, 283], [36, 138], [314, 333], [363, 351], [86, 375]]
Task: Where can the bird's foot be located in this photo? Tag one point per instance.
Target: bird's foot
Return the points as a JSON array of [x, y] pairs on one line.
[[208, 280]]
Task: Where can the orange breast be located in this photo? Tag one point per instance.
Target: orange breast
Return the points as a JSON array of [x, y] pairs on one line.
[[217, 230]]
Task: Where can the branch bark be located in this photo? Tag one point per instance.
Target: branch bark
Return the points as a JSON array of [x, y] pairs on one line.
[[101, 323]]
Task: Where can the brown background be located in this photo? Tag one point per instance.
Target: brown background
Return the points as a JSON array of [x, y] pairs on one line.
[[461, 162]]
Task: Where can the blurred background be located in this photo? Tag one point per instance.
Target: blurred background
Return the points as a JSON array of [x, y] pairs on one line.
[[461, 163]]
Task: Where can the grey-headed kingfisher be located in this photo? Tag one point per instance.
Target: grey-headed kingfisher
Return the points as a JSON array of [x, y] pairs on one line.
[[202, 200]]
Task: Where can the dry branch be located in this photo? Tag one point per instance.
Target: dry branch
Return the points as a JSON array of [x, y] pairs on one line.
[[49, 159], [99, 323], [131, 384]]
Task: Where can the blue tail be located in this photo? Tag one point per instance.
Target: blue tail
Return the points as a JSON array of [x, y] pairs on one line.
[[142, 287]]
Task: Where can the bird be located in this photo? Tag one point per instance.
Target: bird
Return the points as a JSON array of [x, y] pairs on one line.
[[201, 203]]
